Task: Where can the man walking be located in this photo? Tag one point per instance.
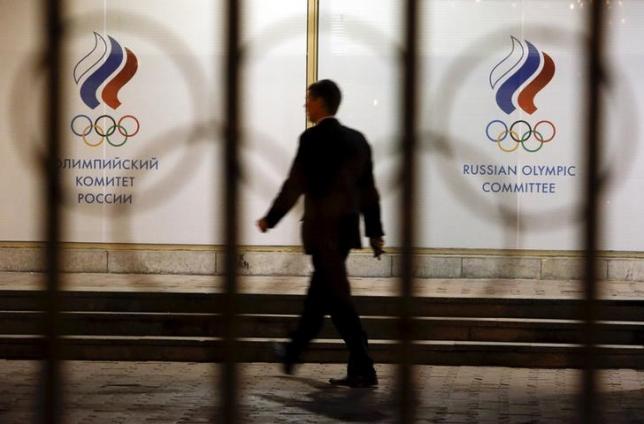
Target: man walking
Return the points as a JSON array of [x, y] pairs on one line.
[[333, 170]]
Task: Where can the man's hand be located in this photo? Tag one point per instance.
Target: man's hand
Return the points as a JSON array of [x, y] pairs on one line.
[[377, 244], [262, 224]]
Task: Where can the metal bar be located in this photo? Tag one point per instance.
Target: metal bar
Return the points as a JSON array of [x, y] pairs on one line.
[[312, 40], [406, 385], [229, 383], [312, 43], [52, 376], [589, 401]]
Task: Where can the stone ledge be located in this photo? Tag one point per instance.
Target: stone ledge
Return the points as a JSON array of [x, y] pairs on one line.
[[432, 266], [84, 261], [570, 269], [626, 270], [268, 263], [33, 260], [162, 262], [363, 264], [290, 263], [494, 267], [22, 260], [293, 263]]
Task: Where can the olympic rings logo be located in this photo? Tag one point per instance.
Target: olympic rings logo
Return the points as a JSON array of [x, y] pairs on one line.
[[106, 128], [521, 134]]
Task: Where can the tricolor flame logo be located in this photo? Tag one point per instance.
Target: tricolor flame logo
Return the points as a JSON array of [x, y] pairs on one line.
[[98, 66], [525, 70]]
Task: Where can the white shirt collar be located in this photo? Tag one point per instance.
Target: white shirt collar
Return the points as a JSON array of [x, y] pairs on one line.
[[325, 117]]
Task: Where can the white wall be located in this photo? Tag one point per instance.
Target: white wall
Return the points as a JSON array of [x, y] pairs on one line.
[[177, 97]]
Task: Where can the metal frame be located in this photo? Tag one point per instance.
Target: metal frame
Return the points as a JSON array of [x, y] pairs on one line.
[[312, 43], [406, 401], [52, 376], [312, 40], [589, 401], [229, 383]]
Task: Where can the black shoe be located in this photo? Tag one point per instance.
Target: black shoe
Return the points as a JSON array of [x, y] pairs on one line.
[[356, 381], [279, 350]]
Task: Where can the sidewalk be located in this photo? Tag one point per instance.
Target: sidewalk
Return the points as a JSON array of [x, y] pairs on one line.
[[182, 393]]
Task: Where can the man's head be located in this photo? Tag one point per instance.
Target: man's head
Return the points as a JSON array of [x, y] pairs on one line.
[[322, 99]]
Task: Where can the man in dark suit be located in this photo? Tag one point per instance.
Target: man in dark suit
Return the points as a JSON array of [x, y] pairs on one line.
[[333, 170]]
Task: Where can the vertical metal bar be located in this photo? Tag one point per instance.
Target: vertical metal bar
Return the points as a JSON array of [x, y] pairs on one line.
[[52, 407], [229, 383], [312, 36], [589, 402], [312, 43], [409, 100]]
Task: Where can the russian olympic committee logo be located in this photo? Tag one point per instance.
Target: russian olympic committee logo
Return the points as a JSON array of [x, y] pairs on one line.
[[103, 63], [524, 71]]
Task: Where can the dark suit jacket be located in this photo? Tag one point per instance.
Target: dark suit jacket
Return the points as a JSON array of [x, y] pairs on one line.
[[334, 171]]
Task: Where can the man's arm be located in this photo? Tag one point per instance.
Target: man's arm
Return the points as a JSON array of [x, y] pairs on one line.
[[377, 245], [370, 200], [370, 207], [291, 190]]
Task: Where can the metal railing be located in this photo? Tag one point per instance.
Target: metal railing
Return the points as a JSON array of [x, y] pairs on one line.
[[589, 401], [52, 375], [53, 379], [232, 89], [408, 223]]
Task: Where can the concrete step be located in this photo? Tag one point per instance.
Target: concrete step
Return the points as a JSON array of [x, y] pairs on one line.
[[291, 304], [173, 318], [275, 326], [322, 351]]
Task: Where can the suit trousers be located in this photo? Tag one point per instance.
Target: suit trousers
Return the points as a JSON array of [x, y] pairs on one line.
[[329, 292]]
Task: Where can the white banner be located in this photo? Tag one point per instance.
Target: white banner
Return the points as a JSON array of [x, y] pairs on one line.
[[502, 104]]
